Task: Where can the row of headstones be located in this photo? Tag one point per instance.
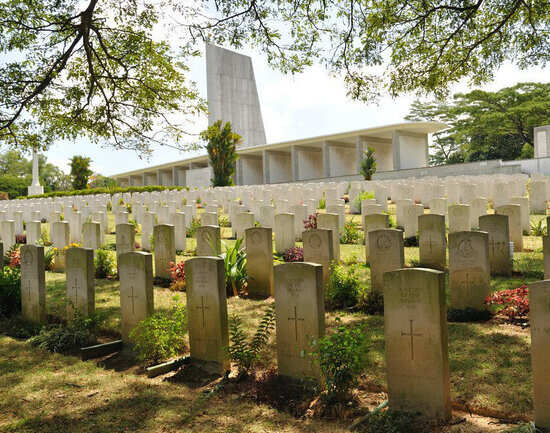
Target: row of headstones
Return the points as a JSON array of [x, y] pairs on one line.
[[416, 338]]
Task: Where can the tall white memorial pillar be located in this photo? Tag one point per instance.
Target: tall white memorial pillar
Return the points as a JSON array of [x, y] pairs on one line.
[[35, 188]]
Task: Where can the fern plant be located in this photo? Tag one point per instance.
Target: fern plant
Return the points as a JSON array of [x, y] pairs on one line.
[[538, 228], [246, 353]]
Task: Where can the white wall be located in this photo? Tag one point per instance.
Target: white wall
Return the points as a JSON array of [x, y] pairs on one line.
[[198, 177], [342, 160], [310, 164], [412, 151], [280, 169], [383, 154], [252, 171]]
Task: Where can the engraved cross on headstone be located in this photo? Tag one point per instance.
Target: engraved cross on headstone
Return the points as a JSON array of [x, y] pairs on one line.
[[75, 288], [412, 335], [203, 307], [133, 297], [296, 319]]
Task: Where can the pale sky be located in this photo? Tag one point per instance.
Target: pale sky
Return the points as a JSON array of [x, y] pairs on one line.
[[309, 104]]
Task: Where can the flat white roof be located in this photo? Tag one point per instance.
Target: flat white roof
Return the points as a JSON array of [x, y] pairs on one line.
[[380, 132]]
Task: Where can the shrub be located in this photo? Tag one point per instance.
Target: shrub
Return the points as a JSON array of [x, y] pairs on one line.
[[363, 195], [193, 226], [368, 163], [79, 332], [512, 303], [372, 302], [234, 259], [221, 147], [294, 254], [177, 274], [49, 255], [538, 228], [311, 222], [343, 286], [111, 191], [223, 221], [10, 291], [17, 327], [242, 352], [160, 336], [13, 257], [350, 233], [104, 264], [411, 241], [468, 315], [44, 237], [323, 203], [341, 358]]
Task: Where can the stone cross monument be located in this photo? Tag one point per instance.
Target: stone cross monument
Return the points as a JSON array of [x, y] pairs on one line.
[[35, 188]]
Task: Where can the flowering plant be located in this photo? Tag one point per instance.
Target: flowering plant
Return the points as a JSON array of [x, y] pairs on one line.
[[14, 256], [311, 222], [514, 302], [294, 254], [177, 274]]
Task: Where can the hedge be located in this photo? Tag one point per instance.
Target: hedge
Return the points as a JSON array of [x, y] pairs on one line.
[[115, 190]]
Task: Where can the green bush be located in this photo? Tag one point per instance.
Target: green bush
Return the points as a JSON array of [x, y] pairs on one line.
[[111, 191], [79, 332], [363, 195], [529, 266], [193, 226], [10, 291], [350, 233], [538, 228], [104, 264], [17, 327], [242, 352], [49, 255], [341, 359], [343, 287], [236, 273], [160, 336], [223, 221], [323, 203], [371, 302]]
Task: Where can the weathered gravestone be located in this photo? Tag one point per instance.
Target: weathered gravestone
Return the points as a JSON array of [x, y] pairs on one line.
[[125, 239], [318, 248], [432, 241], [267, 216], [415, 328], [386, 254], [241, 222], [259, 261], [284, 232], [209, 219], [33, 232], [181, 231], [478, 208], [330, 221], [546, 256], [207, 310], [538, 196], [33, 283], [514, 223], [147, 230], [165, 249], [80, 281], [525, 212], [61, 239], [410, 219], [339, 210], [208, 241], [300, 215], [8, 233], [459, 218], [469, 270], [91, 235], [375, 221], [539, 318], [300, 316], [136, 290], [497, 228]]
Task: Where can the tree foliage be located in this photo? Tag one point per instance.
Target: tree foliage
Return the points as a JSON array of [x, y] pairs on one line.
[[16, 174], [221, 146], [487, 125], [80, 171], [99, 68], [368, 164], [117, 72]]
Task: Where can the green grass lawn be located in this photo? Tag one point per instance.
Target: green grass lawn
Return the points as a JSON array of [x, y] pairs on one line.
[[43, 392]]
